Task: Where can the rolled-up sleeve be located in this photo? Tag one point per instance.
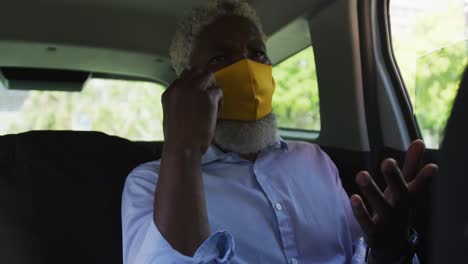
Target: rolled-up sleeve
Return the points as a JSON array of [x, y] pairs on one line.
[[142, 241]]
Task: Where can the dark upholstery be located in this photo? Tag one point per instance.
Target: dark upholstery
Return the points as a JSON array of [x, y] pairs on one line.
[[451, 186], [61, 192]]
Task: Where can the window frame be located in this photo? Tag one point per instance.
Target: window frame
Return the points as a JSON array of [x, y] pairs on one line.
[[393, 70], [103, 77], [299, 133]]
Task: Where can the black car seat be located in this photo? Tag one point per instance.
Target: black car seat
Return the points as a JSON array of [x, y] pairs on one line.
[[60, 195], [450, 240]]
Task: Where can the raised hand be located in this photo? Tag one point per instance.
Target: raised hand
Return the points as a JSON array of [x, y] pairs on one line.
[[190, 107], [387, 229]]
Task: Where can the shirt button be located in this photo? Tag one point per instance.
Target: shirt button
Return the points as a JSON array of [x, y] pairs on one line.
[[278, 206], [294, 261]]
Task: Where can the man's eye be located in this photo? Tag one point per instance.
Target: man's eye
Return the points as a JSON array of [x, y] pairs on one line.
[[217, 59], [259, 54]]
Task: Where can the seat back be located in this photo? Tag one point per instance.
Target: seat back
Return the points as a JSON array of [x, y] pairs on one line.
[[450, 239], [61, 191]]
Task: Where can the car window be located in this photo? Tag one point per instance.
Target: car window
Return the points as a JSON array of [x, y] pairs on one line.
[[129, 109], [296, 99], [132, 109], [429, 43]]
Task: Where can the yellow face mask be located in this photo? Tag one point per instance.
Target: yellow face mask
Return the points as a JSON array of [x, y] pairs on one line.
[[248, 88]]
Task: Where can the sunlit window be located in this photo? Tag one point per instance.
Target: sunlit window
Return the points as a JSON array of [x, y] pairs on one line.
[[133, 110], [128, 109], [296, 99], [429, 38]]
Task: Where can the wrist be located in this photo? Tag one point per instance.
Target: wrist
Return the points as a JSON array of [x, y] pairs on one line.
[[392, 255], [181, 151], [182, 147], [402, 252]]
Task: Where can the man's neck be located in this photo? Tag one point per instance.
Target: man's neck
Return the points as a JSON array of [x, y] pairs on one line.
[[249, 156]]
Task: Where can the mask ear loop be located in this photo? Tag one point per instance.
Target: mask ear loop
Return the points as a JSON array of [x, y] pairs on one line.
[[221, 101]]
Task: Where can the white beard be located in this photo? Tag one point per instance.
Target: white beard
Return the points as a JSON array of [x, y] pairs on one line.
[[246, 137]]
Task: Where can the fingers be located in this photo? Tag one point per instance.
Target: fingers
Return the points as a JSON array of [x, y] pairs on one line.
[[373, 194], [362, 214], [423, 178], [413, 159], [198, 78], [395, 181], [190, 73], [205, 81]]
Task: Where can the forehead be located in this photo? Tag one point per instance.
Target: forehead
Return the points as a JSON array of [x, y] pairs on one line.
[[227, 30]]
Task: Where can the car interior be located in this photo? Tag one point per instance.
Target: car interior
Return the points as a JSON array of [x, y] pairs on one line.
[[450, 228], [60, 190]]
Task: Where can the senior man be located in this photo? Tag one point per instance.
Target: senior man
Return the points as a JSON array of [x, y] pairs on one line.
[[229, 190]]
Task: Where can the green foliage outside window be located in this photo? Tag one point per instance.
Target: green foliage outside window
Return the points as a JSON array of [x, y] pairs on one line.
[[431, 57], [296, 99], [437, 80], [124, 108]]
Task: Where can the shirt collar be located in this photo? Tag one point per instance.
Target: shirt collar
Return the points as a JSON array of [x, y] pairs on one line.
[[214, 153]]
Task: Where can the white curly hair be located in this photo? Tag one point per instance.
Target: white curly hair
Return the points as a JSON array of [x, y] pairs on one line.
[[191, 25]]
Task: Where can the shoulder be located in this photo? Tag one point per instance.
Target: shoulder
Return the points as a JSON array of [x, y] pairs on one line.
[[151, 167], [143, 176], [305, 148], [301, 146], [312, 154]]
